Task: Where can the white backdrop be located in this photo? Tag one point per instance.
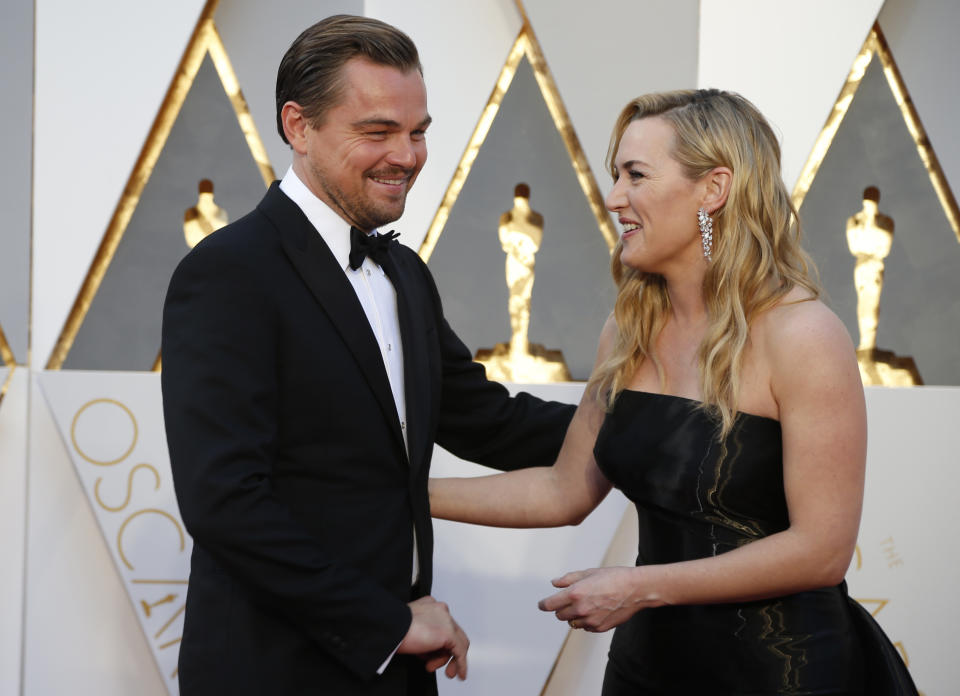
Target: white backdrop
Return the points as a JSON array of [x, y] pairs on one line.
[[110, 426]]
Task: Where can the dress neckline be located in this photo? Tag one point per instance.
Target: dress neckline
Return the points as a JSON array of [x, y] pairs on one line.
[[696, 402]]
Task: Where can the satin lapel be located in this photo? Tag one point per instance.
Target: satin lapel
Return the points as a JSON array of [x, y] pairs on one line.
[[411, 308], [327, 282]]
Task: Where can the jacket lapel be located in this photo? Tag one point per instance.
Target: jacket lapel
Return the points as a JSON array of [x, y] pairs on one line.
[[411, 311], [319, 270]]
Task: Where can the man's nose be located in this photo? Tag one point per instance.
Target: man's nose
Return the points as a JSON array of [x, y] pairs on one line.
[[403, 154]]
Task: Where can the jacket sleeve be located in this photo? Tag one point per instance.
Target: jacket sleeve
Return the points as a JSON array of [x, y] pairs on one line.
[[479, 421], [220, 400]]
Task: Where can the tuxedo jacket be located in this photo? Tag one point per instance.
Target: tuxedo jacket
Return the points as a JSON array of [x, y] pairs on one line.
[[289, 462]]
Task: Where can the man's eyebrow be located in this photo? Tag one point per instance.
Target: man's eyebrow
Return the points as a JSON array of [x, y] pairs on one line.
[[388, 123]]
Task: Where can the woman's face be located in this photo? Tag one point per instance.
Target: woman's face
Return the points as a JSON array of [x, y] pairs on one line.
[[655, 202]]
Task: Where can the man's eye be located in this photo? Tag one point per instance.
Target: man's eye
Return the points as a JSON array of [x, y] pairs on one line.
[[418, 134]]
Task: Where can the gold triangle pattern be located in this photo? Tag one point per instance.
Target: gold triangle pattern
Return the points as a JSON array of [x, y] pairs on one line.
[[526, 44], [876, 45], [205, 39], [6, 354], [8, 361]]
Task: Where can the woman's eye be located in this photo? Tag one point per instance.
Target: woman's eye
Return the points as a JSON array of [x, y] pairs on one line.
[[634, 174]]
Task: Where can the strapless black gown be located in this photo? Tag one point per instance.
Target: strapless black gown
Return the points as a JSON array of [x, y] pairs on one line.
[[692, 503]]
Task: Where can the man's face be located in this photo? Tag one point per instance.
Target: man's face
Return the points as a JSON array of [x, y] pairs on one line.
[[368, 149]]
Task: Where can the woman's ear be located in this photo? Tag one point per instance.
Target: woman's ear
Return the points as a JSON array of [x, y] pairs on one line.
[[294, 126], [718, 181]]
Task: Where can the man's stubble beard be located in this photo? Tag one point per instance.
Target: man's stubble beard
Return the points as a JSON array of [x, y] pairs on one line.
[[359, 211]]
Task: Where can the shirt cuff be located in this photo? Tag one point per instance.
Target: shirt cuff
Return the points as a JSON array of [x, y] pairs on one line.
[[389, 657]]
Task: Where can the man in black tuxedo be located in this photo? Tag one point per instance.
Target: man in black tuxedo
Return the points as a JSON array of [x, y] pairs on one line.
[[305, 381]]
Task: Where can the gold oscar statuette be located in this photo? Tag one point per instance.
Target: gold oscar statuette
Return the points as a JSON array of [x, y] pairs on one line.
[[521, 233], [203, 218], [870, 238]]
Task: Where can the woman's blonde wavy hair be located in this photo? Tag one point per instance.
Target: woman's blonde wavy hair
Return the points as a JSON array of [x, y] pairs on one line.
[[757, 257]]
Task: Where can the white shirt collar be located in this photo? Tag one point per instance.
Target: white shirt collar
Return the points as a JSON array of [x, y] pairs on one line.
[[334, 230]]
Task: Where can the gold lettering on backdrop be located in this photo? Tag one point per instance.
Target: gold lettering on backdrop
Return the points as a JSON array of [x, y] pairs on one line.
[[903, 651], [870, 238], [521, 233], [126, 501], [875, 605], [155, 603], [147, 511], [149, 607], [858, 557], [878, 605], [205, 217], [893, 559], [79, 450], [173, 618]]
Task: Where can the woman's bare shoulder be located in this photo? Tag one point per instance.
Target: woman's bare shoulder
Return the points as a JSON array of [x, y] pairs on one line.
[[805, 339], [800, 317]]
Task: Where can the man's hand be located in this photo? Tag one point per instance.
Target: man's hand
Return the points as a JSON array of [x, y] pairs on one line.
[[436, 638]]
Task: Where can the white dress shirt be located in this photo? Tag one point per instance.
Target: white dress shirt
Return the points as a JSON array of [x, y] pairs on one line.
[[374, 290]]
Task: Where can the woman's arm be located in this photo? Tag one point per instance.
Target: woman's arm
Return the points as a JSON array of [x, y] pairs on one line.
[[816, 383], [552, 496]]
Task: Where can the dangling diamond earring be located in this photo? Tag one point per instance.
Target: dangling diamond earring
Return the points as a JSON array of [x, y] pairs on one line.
[[706, 233]]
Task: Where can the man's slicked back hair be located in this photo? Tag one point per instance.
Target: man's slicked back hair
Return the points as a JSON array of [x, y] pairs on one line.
[[310, 73]]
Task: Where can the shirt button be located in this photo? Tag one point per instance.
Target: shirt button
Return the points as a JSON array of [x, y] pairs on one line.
[[389, 346], [403, 425], [367, 271]]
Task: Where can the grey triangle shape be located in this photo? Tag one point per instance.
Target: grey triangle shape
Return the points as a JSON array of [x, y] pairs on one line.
[[572, 292], [121, 331], [919, 312]]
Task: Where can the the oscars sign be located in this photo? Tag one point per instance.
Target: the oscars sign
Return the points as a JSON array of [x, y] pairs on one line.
[[112, 426]]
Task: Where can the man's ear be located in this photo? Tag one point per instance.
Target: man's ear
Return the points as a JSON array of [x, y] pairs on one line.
[[294, 126], [718, 181]]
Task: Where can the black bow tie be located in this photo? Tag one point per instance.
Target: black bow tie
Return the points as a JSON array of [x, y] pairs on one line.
[[374, 246]]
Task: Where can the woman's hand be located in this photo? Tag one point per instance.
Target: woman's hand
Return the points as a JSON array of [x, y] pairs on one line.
[[598, 599]]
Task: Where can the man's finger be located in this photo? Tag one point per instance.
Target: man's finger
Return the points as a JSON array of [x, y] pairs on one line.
[[435, 661], [454, 669], [458, 665]]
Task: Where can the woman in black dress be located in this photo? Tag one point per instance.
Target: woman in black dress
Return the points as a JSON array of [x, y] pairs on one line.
[[726, 403]]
